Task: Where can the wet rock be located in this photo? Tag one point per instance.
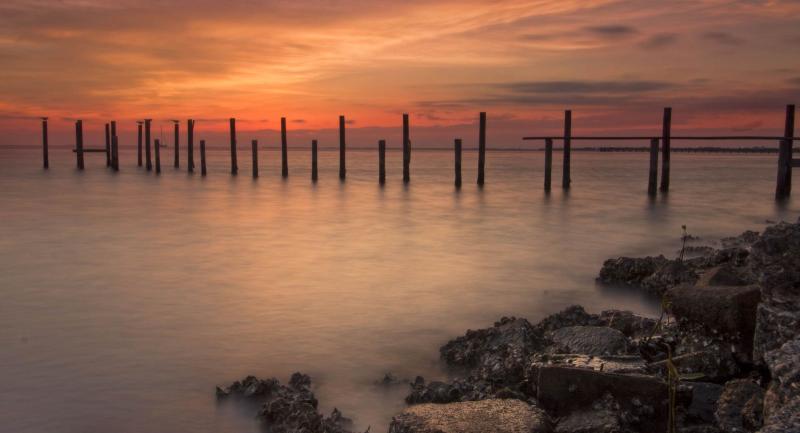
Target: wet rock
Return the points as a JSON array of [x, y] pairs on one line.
[[632, 325], [704, 401], [625, 364], [673, 273], [486, 416], [589, 340], [390, 380], [630, 271], [745, 239], [291, 408], [725, 275], [573, 315], [785, 419], [784, 367], [602, 417], [740, 407], [728, 311]]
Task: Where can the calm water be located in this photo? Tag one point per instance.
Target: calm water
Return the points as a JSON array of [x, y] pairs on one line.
[[126, 297]]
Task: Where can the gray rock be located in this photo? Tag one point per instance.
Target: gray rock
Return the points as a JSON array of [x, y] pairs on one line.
[[725, 275], [784, 367], [485, 416], [589, 340], [673, 273], [632, 325], [740, 407], [704, 401], [590, 421], [630, 271], [786, 419]]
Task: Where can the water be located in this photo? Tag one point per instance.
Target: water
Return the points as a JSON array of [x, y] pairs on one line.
[[126, 297]]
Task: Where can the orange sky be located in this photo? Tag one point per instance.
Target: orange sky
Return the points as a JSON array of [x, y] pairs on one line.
[[727, 65]]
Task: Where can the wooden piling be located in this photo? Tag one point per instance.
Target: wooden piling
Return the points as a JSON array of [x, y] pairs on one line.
[[284, 150], [202, 157], [234, 163], [381, 162], [148, 159], [566, 180], [548, 163], [481, 148], [139, 143], [190, 146], [457, 162], [342, 150], [45, 145], [158, 156], [783, 187], [254, 143], [666, 131], [314, 160], [79, 143], [406, 150], [177, 138], [652, 184], [108, 145], [114, 146]]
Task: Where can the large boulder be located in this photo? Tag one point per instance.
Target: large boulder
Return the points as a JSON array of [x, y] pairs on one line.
[[673, 273], [740, 407], [589, 340], [784, 367], [485, 416], [786, 419], [629, 270]]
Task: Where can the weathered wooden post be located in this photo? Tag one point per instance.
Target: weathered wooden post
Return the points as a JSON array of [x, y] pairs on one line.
[[548, 163], [481, 148], [458, 162], [784, 185], [108, 145], [79, 143], [139, 142], [652, 184], [313, 160], [255, 158], [284, 150], [342, 150], [381, 162], [566, 180], [45, 145], [406, 150], [158, 156], [666, 131], [202, 157], [148, 159], [114, 146], [234, 163], [177, 138], [190, 146]]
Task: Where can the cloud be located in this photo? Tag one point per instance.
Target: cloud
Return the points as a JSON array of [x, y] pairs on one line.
[[660, 40], [583, 87], [723, 38], [614, 31], [298, 121], [794, 81]]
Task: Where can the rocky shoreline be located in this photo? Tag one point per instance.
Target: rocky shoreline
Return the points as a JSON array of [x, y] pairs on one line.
[[724, 357]]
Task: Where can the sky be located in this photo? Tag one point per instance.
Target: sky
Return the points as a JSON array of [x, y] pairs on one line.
[[723, 65]]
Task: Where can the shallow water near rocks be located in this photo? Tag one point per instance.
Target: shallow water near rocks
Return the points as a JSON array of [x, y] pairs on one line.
[[126, 297]]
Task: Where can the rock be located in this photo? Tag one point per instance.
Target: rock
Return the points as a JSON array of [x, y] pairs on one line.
[[564, 390], [603, 417], [486, 416], [673, 273], [630, 271], [573, 315], [728, 310], [625, 364], [704, 401], [745, 239], [740, 407], [390, 380], [725, 275], [785, 419], [630, 324], [286, 409], [784, 367], [589, 340]]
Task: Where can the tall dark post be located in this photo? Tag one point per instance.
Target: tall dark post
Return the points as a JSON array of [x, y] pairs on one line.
[[177, 146], [342, 150], [45, 145], [148, 159], [139, 143], [115, 152], [234, 163], [481, 148], [79, 143], [666, 131], [548, 163], [255, 158], [202, 157], [313, 160], [458, 162], [158, 156], [382, 162], [652, 184], [190, 146], [784, 185], [406, 150], [284, 150], [108, 145], [114, 146], [566, 180]]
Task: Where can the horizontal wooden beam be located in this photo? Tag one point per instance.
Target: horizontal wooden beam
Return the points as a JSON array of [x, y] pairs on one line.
[[91, 150]]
